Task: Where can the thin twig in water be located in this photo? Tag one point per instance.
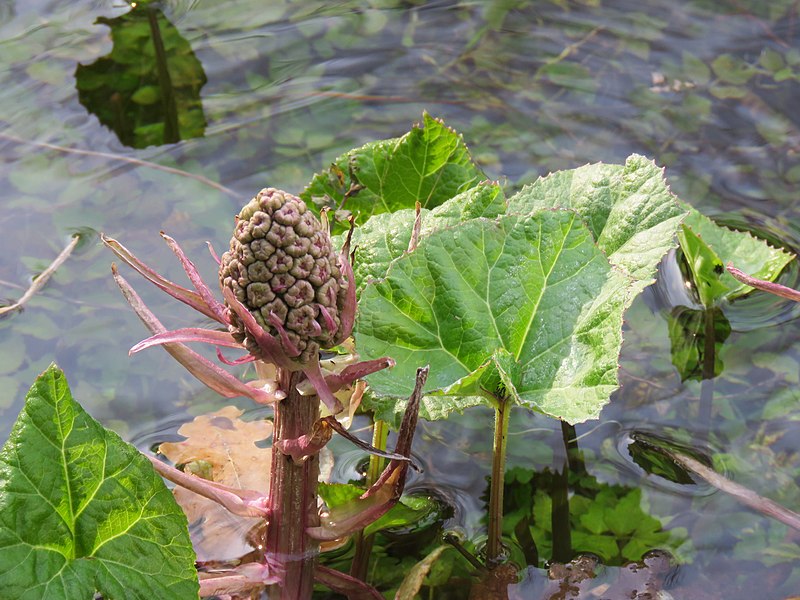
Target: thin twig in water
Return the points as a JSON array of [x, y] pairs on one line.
[[742, 494], [39, 282], [127, 159], [766, 286]]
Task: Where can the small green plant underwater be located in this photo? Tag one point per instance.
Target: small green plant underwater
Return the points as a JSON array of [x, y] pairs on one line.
[[441, 293]]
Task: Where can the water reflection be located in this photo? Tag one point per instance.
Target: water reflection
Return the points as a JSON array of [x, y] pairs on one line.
[[7, 10], [585, 577], [553, 516], [147, 89], [533, 87], [697, 337]]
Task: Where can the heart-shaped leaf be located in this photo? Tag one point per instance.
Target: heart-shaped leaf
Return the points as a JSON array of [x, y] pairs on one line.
[[531, 296], [625, 217], [385, 237], [82, 512], [628, 208]]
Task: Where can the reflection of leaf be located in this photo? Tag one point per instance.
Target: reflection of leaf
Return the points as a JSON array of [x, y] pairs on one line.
[[147, 90], [83, 512], [429, 165], [225, 442], [687, 334], [656, 463], [708, 247]]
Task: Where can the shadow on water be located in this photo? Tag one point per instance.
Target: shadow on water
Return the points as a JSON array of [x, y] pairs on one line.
[[147, 90]]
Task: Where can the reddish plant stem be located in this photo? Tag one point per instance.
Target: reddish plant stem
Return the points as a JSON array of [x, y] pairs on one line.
[[293, 494]]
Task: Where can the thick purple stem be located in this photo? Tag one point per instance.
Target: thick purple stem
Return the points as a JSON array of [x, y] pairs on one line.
[[293, 493]]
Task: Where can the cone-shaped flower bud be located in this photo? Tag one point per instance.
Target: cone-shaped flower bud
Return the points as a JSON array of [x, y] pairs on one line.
[[282, 267]]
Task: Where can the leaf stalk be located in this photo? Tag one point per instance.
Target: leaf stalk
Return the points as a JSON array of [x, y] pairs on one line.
[[360, 564], [494, 545]]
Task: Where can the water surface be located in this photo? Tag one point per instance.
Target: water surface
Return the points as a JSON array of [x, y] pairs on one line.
[[267, 95]]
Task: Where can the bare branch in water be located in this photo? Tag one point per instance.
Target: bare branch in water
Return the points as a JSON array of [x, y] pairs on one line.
[[765, 286], [742, 494], [40, 281]]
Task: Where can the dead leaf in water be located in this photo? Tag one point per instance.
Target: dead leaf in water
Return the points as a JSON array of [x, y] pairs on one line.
[[227, 443]]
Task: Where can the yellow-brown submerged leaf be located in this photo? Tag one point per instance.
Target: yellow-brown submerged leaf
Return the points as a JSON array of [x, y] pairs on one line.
[[228, 443], [416, 575]]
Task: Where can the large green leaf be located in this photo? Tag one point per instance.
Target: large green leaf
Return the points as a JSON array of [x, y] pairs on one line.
[[82, 512], [525, 304], [625, 213], [628, 208], [385, 237], [429, 164], [708, 247]]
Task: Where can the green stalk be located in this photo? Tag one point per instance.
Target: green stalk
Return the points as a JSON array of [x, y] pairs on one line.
[[293, 494], [707, 384], [360, 564], [494, 545], [559, 496]]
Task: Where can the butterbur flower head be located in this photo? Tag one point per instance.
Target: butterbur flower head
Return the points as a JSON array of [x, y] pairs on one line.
[[287, 294], [282, 267]]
